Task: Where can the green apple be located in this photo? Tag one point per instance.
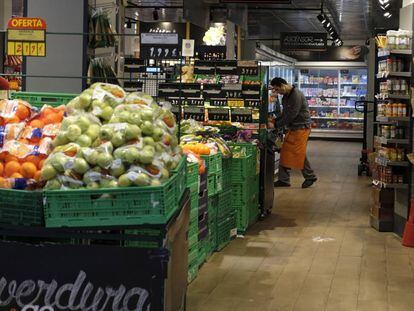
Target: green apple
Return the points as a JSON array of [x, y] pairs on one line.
[[84, 141], [132, 155], [93, 131], [117, 168], [106, 133], [132, 132], [155, 182], [142, 180], [48, 172], [124, 181], [118, 139], [60, 140], [106, 113], [53, 184], [104, 160], [59, 161], [147, 128], [85, 100], [92, 185], [83, 122], [147, 115], [157, 134], [135, 118], [73, 132], [80, 166]]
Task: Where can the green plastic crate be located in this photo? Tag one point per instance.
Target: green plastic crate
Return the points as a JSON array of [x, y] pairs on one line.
[[192, 174], [193, 215], [192, 240], [193, 254], [151, 238], [39, 99], [211, 185], [194, 202], [180, 179], [19, 207], [111, 207], [225, 206], [194, 189], [226, 173], [242, 169], [192, 273], [193, 229], [226, 231], [245, 148], [241, 193], [213, 163]]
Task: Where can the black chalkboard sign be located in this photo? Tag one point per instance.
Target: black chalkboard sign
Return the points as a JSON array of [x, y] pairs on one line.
[[241, 115], [195, 113], [69, 277], [218, 114]]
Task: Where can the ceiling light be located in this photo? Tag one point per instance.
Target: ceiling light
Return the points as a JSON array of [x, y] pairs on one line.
[[385, 7], [387, 15], [155, 14], [382, 2], [321, 18]]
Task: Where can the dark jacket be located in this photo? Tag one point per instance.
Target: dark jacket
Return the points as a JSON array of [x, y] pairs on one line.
[[295, 113]]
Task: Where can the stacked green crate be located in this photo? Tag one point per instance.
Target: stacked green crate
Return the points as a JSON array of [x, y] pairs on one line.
[[245, 184], [214, 173], [226, 222], [192, 182]]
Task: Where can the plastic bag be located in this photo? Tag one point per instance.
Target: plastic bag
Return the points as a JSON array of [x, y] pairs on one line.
[[14, 111], [138, 98]]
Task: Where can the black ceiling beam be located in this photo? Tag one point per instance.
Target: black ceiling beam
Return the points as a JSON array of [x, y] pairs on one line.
[[132, 5], [284, 9]]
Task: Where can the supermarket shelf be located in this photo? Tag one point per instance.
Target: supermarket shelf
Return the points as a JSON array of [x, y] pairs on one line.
[[390, 186], [322, 106], [336, 133], [319, 96], [386, 53], [392, 119], [385, 75], [327, 84], [393, 96], [384, 141], [385, 162], [351, 96], [345, 83], [339, 118]]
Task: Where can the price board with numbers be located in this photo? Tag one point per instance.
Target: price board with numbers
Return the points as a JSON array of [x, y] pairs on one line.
[[219, 102], [219, 114], [252, 103], [247, 68], [26, 36], [241, 115], [232, 90], [159, 46], [195, 113]]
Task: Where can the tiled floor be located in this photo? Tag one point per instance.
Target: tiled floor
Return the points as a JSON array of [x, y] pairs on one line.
[[315, 252]]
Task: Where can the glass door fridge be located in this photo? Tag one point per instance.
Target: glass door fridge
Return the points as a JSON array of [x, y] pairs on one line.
[[331, 95]]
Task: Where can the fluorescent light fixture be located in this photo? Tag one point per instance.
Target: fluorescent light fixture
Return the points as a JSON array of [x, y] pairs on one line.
[[382, 2], [385, 7], [387, 15]]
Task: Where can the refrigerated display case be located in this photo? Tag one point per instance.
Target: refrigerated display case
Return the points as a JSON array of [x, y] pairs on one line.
[[331, 95]]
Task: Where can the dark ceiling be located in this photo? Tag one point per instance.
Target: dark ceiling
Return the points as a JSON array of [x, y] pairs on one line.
[[354, 19]]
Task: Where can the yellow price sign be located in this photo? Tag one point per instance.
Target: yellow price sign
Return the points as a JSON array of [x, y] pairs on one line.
[[33, 49], [18, 49], [41, 49], [26, 48]]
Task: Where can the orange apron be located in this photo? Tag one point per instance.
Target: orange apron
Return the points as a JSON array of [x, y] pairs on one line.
[[293, 151]]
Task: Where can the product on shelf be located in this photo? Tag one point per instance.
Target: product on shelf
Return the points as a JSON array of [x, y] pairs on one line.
[[394, 86], [108, 140], [395, 40], [101, 33], [390, 109], [100, 70]]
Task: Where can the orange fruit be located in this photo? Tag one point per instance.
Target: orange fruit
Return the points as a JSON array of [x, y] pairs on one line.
[[10, 158], [53, 118], [16, 175], [37, 124], [11, 168], [37, 176], [23, 141], [40, 164], [4, 183], [1, 169], [33, 159], [22, 112], [28, 170], [47, 111], [14, 119]]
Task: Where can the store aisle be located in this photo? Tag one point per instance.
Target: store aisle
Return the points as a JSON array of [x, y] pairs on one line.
[[316, 252]]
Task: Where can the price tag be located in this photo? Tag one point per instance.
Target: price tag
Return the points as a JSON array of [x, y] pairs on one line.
[[241, 115], [159, 51], [176, 111], [218, 102], [195, 102], [232, 90], [218, 114], [252, 103], [248, 68], [196, 113], [235, 103]]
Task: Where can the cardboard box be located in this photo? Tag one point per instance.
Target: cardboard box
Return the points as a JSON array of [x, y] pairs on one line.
[[383, 197], [177, 243]]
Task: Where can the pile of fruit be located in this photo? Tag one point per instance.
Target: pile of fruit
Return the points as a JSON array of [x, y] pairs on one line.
[[110, 139], [26, 136]]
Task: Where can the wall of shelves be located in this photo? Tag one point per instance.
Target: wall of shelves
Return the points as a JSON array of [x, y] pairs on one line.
[[331, 96]]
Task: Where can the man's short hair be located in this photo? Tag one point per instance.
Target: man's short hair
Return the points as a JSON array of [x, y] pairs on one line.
[[278, 82]]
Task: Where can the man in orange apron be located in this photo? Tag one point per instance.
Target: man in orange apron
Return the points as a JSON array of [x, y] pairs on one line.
[[296, 118]]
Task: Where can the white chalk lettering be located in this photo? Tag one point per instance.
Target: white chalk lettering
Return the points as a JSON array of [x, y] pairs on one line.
[[26, 288]]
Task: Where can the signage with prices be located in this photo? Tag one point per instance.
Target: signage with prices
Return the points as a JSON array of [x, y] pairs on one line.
[[159, 46], [303, 41], [247, 68], [26, 36], [252, 103], [232, 90], [207, 52], [218, 102], [241, 115], [196, 113], [219, 114]]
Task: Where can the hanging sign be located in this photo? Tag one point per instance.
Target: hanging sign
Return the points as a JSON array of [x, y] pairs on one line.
[[26, 36], [219, 114], [159, 46], [303, 41], [195, 113], [241, 115], [188, 48]]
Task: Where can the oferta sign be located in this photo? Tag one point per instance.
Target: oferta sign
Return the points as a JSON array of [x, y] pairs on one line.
[[26, 36], [303, 41]]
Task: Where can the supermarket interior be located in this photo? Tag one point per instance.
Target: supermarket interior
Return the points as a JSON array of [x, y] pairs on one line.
[[206, 155]]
